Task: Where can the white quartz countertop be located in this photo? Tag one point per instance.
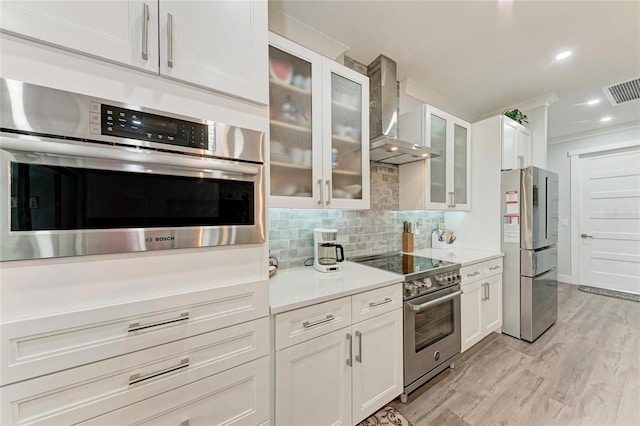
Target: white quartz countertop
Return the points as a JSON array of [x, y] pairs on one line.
[[299, 287], [464, 256]]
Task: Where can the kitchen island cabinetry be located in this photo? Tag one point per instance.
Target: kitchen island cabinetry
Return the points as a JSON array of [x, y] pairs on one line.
[[442, 182], [344, 361], [200, 354], [319, 130], [481, 301], [219, 45]]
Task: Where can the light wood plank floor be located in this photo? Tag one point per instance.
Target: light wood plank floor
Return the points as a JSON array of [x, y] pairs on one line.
[[585, 370]]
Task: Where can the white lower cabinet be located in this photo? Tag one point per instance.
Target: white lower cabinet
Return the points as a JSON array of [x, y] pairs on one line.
[[313, 382], [184, 357], [345, 375], [234, 397], [471, 315], [377, 367], [481, 301]]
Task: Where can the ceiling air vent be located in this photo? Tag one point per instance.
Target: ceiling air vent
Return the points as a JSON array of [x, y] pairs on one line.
[[620, 93]]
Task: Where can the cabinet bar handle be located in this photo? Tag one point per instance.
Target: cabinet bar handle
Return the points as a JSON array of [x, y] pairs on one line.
[[453, 199], [321, 200], [383, 302], [493, 268], [359, 356], [308, 324], [145, 32], [328, 181], [137, 378], [350, 359], [488, 291], [473, 274], [136, 326], [170, 40]]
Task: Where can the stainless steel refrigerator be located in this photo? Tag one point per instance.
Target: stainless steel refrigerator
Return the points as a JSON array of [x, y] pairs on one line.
[[529, 209]]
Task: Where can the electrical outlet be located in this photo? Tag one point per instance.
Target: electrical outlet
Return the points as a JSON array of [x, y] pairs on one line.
[[33, 202], [14, 202]]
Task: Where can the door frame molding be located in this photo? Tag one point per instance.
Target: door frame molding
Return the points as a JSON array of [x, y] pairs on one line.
[[576, 175]]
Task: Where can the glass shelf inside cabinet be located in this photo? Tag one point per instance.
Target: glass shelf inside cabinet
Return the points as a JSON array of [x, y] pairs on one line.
[[290, 124], [346, 137]]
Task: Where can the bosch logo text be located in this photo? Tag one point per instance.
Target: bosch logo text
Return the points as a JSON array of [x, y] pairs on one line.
[[159, 239]]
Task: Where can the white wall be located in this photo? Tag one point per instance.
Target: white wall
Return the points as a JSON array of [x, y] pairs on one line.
[[41, 287], [559, 162]]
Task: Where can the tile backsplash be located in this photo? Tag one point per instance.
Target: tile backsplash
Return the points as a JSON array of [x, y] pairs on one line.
[[361, 232]]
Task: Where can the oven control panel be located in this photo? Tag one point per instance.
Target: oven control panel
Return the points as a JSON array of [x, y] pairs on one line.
[[431, 283], [143, 126]]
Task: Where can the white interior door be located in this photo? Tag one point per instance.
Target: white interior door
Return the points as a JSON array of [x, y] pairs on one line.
[[610, 220]]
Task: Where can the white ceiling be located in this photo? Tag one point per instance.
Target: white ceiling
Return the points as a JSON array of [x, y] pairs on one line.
[[485, 56]]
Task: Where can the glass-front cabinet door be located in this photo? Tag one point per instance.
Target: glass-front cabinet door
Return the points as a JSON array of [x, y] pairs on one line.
[[346, 137], [438, 182], [460, 165], [295, 110], [449, 173], [319, 130]]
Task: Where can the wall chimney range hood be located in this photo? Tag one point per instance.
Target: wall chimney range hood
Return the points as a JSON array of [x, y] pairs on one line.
[[383, 118]]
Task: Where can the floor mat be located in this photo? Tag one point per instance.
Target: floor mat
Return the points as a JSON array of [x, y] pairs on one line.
[[610, 293], [387, 416]]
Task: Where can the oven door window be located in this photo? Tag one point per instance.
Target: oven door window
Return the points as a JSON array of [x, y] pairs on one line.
[[434, 324], [47, 197]]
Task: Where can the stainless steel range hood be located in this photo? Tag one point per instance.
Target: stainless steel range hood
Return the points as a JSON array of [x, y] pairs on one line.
[[383, 117]]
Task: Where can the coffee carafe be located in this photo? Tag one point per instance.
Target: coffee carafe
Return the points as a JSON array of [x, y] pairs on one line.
[[327, 255]]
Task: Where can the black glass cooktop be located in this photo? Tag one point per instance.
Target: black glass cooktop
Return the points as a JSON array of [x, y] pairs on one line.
[[401, 263]]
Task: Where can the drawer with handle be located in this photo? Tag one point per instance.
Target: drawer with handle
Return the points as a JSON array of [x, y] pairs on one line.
[[78, 394], [493, 267], [375, 302], [480, 270], [34, 347], [472, 272], [312, 321]]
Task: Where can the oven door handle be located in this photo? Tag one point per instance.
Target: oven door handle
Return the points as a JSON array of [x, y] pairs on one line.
[[430, 303], [129, 155]]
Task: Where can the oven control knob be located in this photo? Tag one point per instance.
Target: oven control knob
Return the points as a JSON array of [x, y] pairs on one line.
[[427, 282]]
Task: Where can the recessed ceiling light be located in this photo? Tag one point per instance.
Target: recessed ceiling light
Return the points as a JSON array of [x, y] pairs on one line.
[[393, 148], [563, 55], [593, 102], [603, 119]]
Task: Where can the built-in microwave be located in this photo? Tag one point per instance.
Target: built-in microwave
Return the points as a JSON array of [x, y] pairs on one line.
[[86, 176]]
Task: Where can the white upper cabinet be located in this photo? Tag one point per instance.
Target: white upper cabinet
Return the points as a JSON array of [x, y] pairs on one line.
[[218, 45], [442, 182], [319, 130], [516, 144], [125, 32]]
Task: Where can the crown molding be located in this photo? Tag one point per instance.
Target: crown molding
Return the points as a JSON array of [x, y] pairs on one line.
[[592, 133], [542, 100]]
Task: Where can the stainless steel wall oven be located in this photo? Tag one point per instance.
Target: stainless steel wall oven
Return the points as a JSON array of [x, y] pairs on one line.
[[81, 176]]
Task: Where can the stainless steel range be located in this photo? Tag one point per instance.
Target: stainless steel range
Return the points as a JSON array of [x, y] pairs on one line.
[[431, 313]]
